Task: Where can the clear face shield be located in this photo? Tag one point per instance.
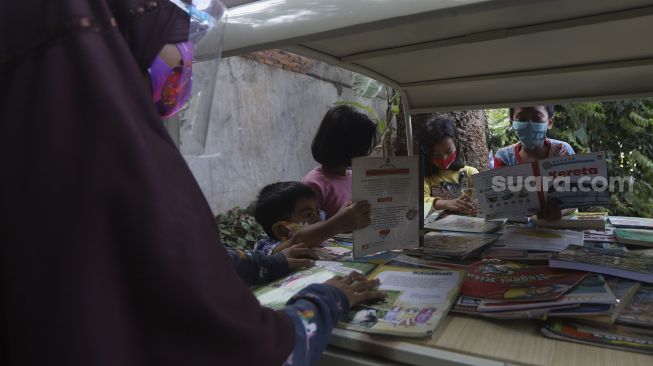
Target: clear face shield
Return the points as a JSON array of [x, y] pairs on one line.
[[183, 77]]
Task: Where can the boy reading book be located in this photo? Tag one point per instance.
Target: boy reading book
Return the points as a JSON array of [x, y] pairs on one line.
[[288, 213]]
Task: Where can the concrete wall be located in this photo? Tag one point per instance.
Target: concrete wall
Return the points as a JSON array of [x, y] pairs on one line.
[[269, 107]]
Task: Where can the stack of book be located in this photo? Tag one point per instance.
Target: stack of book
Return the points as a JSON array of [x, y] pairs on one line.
[[508, 290]]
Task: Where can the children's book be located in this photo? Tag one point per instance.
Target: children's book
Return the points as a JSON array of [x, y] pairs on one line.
[[639, 311], [623, 291], [466, 224], [538, 239], [393, 187], [276, 294], [517, 255], [417, 298], [593, 290], [494, 279], [578, 220], [641, 237], [453, 245], [627, 339], [625, 265], [429, 262], [603, 236], [631, 222], [609, 247], [469, 305], [521, 190]]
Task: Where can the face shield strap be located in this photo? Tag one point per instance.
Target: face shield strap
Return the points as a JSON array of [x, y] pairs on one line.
[[189, 123]]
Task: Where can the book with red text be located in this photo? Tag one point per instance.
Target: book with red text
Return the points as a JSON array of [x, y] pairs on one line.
[[521, 190]]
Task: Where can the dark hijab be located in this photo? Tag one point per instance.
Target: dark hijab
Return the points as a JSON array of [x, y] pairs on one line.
[[109, 254]]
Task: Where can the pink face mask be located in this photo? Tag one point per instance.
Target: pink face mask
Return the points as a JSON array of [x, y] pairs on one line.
[[171, 86], [446, 162]]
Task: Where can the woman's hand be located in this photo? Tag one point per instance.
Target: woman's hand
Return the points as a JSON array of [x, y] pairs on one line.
[[461, 204], [357, 288], [299, 256]]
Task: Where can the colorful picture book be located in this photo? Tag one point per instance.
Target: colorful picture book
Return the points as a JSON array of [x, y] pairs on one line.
[[603, 236], [466, 224], [469, 305], [627, 339], [639, 311], [625, 265], [641, 237], [593, 290], [393, 187], [453, 245], [577, 220], [521, 190], [418, 298], [631, 222], [538, 239], [510, 281]]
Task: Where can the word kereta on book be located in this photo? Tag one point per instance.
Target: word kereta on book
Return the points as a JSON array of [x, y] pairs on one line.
[[521, 190], [393, 187]]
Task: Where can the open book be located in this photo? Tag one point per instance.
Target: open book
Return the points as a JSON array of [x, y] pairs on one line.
[[393, 187], [418, 298], [521, 190]]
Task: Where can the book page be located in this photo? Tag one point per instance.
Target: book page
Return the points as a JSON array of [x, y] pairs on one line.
[[576, 180], [392, 187], [418, 298], [507, 192]]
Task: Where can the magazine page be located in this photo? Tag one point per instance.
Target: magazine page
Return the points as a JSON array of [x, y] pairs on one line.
[[505, 192], [628, 265], [392, 186], [418, 299], [639, 311], [276, 294], [576, 180]]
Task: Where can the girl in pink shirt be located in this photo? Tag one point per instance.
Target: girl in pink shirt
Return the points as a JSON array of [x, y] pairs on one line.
[[343, 134]]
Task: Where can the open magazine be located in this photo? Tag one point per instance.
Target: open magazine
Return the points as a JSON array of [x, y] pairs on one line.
[[418, 298], [392, 186], [520, 190]]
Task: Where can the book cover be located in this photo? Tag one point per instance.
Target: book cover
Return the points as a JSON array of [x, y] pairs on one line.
[[631, 222], [520, 190], [276, 294], [453, 245], [593, 290], [578, 220], [603, 236], [469, 306], [549, 240], [625, 265], [418, 299], [628, 340], [641, 237], [499, 280], [639, 311], [393, 187], [466, 224]]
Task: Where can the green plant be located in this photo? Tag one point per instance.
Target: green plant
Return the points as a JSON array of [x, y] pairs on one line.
[[239, 229], [499, 133]]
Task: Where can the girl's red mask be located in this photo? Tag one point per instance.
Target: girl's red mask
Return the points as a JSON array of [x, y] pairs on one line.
[[446, 162]]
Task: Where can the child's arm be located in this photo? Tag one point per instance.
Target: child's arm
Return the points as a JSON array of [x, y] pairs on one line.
[[257, 268], [350, 217]]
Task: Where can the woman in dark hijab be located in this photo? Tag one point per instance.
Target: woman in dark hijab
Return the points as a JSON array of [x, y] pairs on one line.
[[109, 252]]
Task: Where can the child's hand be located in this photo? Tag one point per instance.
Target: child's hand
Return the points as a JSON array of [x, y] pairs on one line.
[[550, 211], [353, 216], [461, 204], [357, 288], [299, 256]]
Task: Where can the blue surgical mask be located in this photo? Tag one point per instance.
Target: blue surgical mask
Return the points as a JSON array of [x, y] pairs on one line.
[[531, 134]]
